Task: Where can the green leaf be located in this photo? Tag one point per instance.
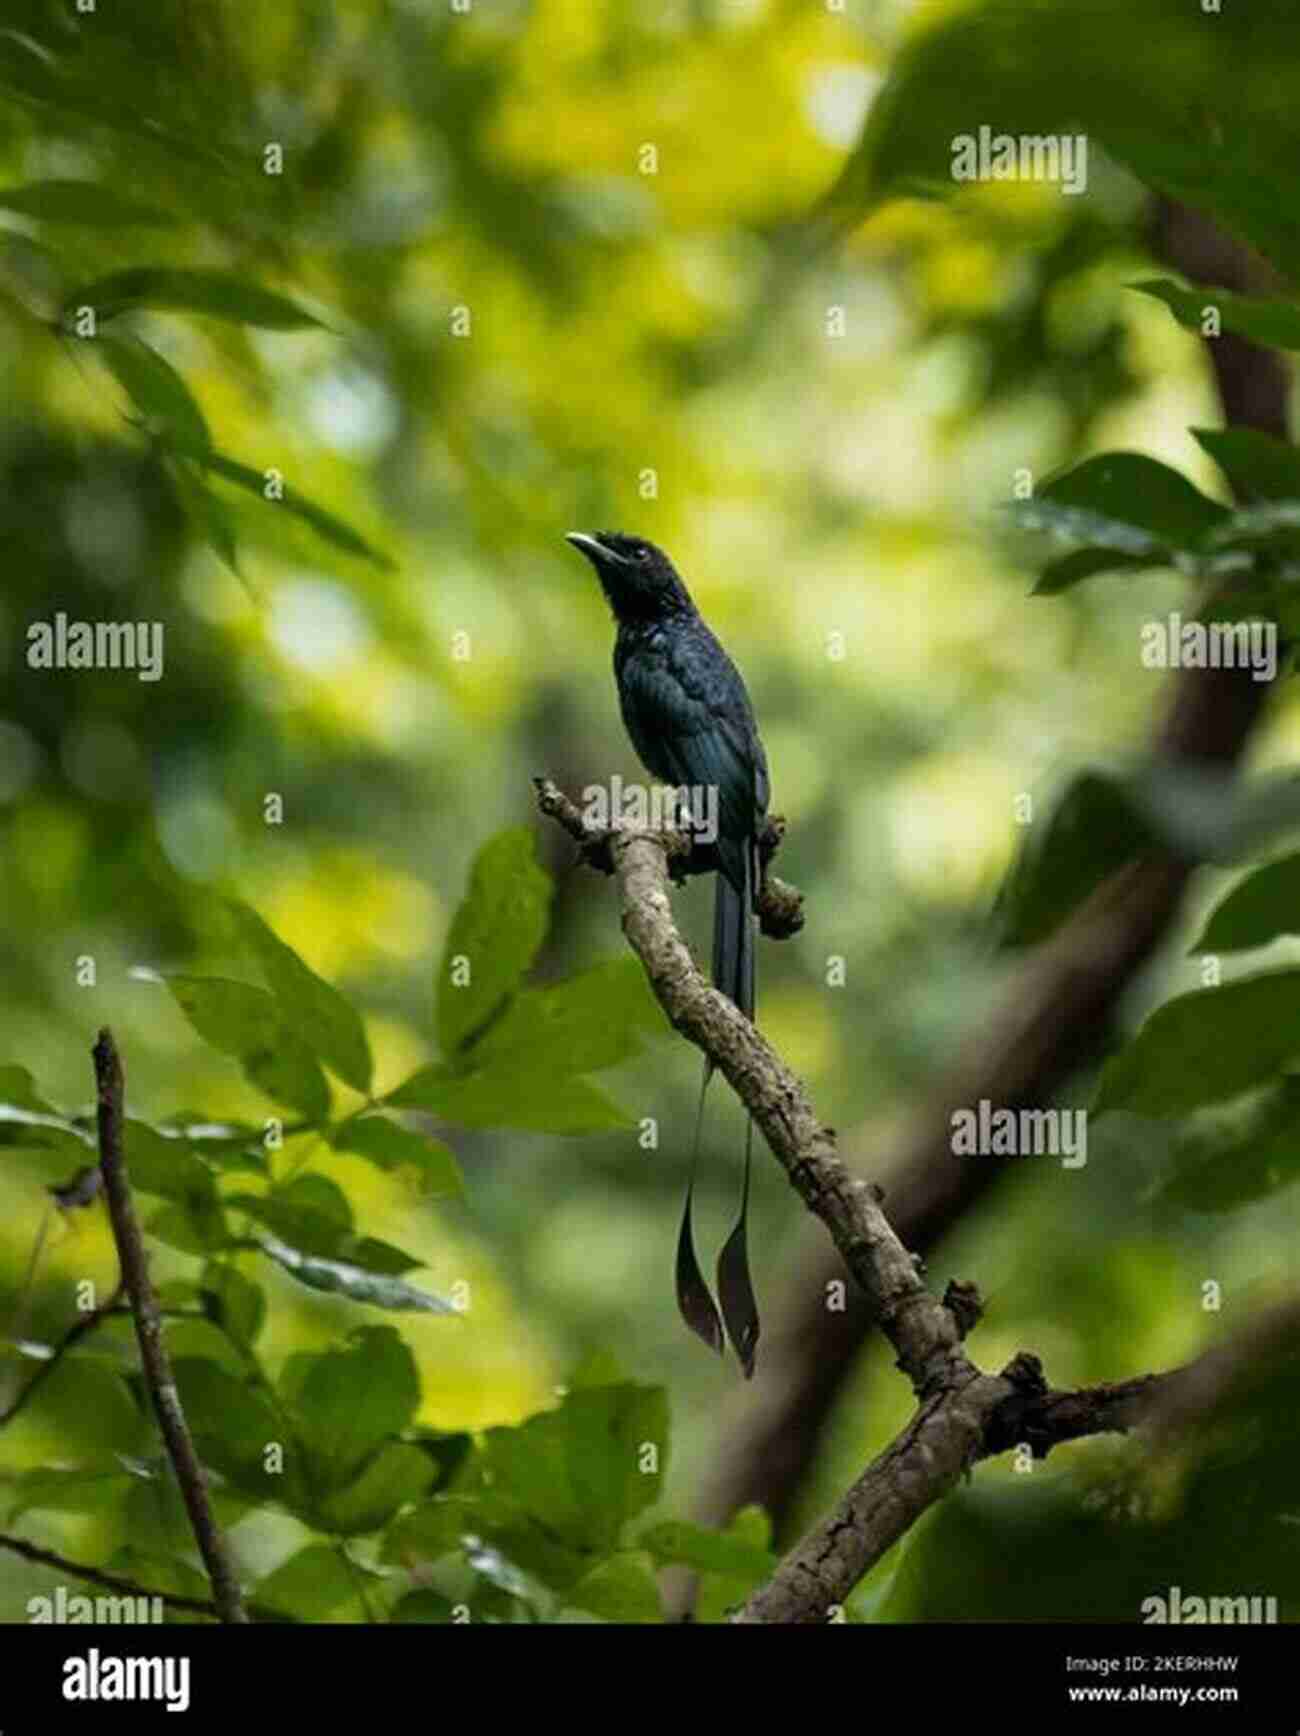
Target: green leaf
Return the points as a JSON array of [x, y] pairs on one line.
[[89, 202], [18, 1091], [197, 1235], [327, 525], [749, 1535], [507, 1097], [246, 1022], [675, 1543], [225, 1145], [423, 1606], [493, 938], [1060, 575], [327, 1023], [233, 1302], [390, 1146], [393, 1476], [588, 1467], [1260, 908], [622, 1589], [166, 1165], [456, 1523], [233, 1425], [1205, 1047], [206, 513], [311, 1585], [343, 1278], [1233, 1154], [1059, 68], [592, 1020], [1091, 832], [88, 1407], [446, 1451], [155, 1517], [312, 1214], [169, 1167], [182, 289], [1274, 324], [162, 1573], [1258, 466], [1126, 504], [350, 1401], [1212, 816], [54, 1491], [158, 393]]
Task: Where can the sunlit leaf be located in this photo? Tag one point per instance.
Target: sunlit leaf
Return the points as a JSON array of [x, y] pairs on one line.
[[327, 525], [234, 1425], [311, 1585], [246, 1022], [592, 1020], [327, 1023], [493, 938], [676, 1543], [397, 1473], [505, 1096], [343, 1278], [207, 514], [233, 1302], [391, 1146], [188, 289], [621, 1589], [1275, 324], [157, 391], [350, 1400], [87, 202], [589, 1466]]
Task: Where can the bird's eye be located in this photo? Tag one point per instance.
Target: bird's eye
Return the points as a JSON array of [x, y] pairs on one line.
[[641, 552]]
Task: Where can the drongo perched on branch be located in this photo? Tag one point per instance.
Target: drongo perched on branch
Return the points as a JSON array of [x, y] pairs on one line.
[[691, 722]]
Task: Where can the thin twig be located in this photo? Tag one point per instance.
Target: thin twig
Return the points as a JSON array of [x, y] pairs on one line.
[[98, 1576], [148, 1328], [70, 1339]]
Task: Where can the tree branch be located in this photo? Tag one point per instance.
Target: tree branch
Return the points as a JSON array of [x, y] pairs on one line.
[[963, 1414], [148, 1328], [98, 1576], [1055, 1006]]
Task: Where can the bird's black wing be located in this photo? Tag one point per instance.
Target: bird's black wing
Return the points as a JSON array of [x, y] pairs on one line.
[[690, 719]]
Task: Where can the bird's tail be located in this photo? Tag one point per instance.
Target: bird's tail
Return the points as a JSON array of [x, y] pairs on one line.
[[733, 974]]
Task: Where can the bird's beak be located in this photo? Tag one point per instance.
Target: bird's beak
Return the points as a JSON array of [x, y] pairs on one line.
[[592, 547]]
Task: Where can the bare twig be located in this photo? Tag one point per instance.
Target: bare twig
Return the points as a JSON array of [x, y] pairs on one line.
[[148, 1327], [71, 1338], [98, 1576], [779, 905]]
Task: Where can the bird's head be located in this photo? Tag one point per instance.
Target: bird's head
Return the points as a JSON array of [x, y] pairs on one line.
[[638, 578]]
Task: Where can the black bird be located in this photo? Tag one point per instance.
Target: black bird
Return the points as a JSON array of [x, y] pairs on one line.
[[691, 722]]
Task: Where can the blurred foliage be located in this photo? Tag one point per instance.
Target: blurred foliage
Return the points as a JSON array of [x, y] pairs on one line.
[[318, 331]]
